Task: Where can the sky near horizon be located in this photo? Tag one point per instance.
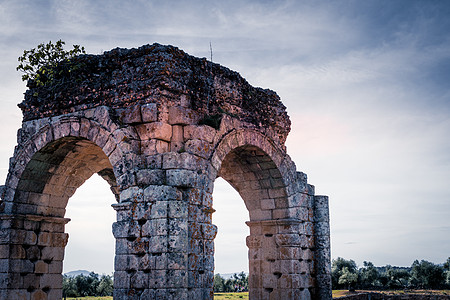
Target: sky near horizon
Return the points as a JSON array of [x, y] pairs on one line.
[[366, 85]]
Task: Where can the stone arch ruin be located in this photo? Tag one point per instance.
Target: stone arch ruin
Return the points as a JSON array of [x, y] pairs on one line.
[[160, 126]]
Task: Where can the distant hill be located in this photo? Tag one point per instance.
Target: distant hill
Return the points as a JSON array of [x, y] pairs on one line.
[[77, 272], [230, 275]]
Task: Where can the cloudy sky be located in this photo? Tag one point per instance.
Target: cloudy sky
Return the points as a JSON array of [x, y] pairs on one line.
[[366, 84]]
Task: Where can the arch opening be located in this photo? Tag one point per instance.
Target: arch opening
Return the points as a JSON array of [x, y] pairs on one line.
[[257, 179], [38, 241], [230, 216], [91, 243], [254, 175]]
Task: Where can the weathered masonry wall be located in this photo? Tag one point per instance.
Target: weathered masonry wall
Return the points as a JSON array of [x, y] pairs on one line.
[[160, 126]]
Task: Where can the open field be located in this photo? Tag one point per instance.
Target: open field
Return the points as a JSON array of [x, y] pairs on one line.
[[91, 298], [336, 294], [218, 296], [341, 293], [230, 296]]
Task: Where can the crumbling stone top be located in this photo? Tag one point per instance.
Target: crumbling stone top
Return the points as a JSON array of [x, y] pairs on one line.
[[158, 74]]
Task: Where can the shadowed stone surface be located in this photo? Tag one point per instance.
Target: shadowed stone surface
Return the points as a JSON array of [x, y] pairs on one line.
[[160, 126]]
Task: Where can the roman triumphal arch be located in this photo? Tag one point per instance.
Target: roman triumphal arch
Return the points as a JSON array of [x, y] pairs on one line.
[[159, 126]]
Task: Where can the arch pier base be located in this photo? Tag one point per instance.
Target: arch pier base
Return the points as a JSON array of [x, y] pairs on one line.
[[31, 254]]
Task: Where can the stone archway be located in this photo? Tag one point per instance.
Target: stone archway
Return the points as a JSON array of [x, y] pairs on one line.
[[160, 126], [282, 207], [45, 172]]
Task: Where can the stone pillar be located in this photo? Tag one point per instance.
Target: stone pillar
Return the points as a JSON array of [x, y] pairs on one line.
[[164, 236], [279, 260], [31, 255], [322, 252]]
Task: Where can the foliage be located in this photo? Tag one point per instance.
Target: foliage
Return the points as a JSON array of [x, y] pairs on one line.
[[338, 267], [396, 277], [348, 278], [39, 64], [237, 283], [212, 120], [423, 275], [447, 271], [369, 276], [91, 285]]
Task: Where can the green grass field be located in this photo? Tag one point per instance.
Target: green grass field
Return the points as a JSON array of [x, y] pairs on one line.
[[232, 296], [336, 294], [91, 298], [218, 296]]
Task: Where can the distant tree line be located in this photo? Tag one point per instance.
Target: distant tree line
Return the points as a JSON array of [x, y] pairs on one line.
[[90, 285], [237, 283], [421, 275]]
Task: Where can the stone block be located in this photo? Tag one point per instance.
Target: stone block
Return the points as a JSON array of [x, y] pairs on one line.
[[121, 280], [149, 112], [55, 267], [184, 160], [287, 266], [131, 114], [55, 293], [254, 242], [179, 210], [307, 254], [160, 210], [33, 253], [322, 242], [150, 177], [31, 281], [154, 161], [209, 231], [162, 146], [160, 226], [321, 211], [289, 240], [259, 214], [155, 130], [209, 247], [159, 260], [161, 192], [139, 280], [158, 280], [182, 178], [290, 253], [121, 229], [177, 142], [199, 147], [308, 228], [177, 261], [201, 132], [52, 253], [148, 148], [179, 115], [132, 194], [322, 228], [146, 263], [267, 204], [158, 244], [126, 180], [20, 266], [40, 267], [177, 243], [59, 239], [17, 252]]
